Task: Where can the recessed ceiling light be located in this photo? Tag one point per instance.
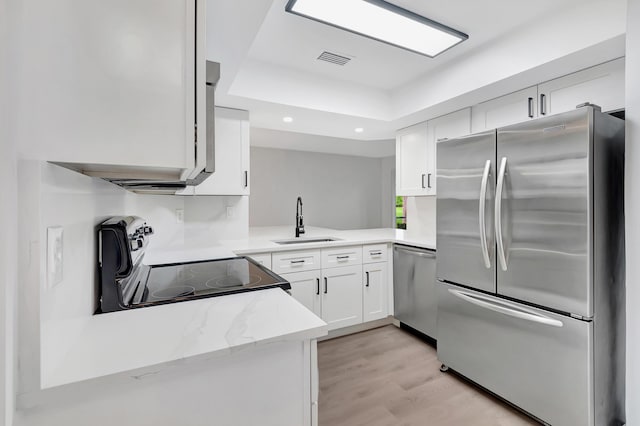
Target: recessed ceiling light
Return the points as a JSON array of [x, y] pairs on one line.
[[359, 129], [287, 119], [381, 21]]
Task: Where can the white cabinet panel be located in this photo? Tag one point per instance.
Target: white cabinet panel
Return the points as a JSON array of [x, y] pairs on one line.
[[262, 258], [305, 288], [341, 256], [412, 160], [509, 109], [374, 296], [342, 296], [602, 85], [295, 261], [372, 253], [231, 175], [119, 78]]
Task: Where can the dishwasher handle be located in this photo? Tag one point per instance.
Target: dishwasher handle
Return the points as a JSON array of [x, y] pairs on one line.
[[416, 251]]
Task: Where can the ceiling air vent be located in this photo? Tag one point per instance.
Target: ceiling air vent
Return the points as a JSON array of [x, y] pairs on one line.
[[333, 58]]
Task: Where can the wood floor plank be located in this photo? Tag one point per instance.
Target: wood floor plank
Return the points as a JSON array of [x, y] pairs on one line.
[[388, 377]]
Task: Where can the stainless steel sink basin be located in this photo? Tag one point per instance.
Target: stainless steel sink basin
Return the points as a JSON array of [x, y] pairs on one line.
[[306, 240]]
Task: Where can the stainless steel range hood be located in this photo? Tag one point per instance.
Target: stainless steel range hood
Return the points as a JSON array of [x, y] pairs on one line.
[[161, 180]]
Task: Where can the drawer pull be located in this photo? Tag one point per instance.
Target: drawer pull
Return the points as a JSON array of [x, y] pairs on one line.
[[375, 253], [297, 261], [342, 257]]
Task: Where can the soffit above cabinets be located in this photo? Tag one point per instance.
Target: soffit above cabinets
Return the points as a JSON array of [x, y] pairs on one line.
[[270, 61]]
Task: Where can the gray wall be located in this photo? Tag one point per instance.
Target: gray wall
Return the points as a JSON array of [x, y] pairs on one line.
[[338, 191]]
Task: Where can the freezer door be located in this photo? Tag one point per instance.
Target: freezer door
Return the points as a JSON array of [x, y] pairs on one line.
[[414, 288], [464, 215], [543, 212], [537, 360]]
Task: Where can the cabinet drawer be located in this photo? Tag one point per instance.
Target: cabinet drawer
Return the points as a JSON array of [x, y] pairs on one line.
[[341, 256], [373, 253], [262, 258], [295, 261]]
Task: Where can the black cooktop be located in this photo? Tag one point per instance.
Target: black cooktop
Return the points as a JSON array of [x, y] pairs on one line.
[[194, 280], [126, 282]]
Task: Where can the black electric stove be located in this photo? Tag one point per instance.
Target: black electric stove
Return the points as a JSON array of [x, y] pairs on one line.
[[126, 283]]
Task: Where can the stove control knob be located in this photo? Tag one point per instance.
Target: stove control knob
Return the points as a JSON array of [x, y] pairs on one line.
[[140, 242], [148, 230], [134, 245]]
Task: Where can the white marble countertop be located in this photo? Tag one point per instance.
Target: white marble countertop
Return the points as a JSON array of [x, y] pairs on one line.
[[261, 239], [85, 348], [127, 340]]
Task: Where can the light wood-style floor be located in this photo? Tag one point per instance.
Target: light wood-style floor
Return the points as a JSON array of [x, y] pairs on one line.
[[388, 377]]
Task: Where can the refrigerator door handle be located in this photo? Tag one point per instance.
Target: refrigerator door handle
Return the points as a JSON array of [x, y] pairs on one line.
[[506, 308], [481, 214], [498, 214]]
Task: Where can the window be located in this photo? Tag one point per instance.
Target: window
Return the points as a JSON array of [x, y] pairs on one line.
[[401, 212]]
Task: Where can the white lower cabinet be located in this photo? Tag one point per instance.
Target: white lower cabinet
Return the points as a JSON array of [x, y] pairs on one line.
[[262, 258], [374, 296], [342, 296], [305, 288]]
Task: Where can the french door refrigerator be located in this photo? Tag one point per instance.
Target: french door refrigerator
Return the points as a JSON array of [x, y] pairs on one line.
[[530, 265]]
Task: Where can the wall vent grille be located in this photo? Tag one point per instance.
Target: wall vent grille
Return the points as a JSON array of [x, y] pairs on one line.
[[333, 58]]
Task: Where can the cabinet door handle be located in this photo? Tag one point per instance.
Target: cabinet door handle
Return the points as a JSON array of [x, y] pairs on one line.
[[543, 104], [246, 178], [429, 180], [342, 257], [317, 286], [530, 106], [325, 285], [367, 284], [423, 175]]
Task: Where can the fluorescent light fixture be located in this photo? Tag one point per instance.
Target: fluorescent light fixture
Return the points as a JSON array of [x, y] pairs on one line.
[[287, 119], [381, 21], [359, 129]]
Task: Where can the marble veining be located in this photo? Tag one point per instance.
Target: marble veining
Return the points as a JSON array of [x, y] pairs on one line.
[[128, 340]]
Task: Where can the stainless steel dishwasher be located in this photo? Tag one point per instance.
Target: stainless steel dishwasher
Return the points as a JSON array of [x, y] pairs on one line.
[[414, 288]]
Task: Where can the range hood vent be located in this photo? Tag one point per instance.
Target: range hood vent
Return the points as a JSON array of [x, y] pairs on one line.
[[334, 58]]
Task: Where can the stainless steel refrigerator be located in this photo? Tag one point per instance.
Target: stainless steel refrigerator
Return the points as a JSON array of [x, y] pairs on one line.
[[530, 265]]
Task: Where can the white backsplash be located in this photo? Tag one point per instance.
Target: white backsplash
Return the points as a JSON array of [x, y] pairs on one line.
[[421, 216], [53, 196]]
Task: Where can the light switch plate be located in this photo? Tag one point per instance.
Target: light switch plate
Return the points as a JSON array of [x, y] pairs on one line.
[[179, 215], [229, 211], [54, 255]]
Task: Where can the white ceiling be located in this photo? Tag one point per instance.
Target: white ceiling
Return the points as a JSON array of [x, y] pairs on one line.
[[269, 61]]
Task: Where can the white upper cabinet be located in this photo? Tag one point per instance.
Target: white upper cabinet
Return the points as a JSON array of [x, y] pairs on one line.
[[412, 160], [231, 175], [509, 109], [602, 85], [120, 78], [416, 151]]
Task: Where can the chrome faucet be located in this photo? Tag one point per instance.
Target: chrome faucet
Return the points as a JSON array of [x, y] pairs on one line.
[[299, 218]]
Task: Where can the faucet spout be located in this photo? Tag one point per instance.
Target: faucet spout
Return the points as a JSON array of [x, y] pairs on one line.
[[299, 218]]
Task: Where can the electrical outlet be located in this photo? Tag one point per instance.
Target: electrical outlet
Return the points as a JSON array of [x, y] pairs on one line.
[[229, 212], [54, 255], [179, 215]]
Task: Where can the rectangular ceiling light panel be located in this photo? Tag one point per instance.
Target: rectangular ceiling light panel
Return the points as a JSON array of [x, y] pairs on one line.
[[381, 21]]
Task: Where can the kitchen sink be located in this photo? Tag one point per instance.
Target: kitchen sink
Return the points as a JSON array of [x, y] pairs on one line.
[[306, 240]]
